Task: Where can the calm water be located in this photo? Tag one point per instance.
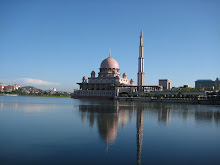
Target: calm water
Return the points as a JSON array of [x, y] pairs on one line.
[[40, 130]]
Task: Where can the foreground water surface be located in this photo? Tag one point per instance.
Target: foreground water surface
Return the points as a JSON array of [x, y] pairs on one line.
[[41, 130]]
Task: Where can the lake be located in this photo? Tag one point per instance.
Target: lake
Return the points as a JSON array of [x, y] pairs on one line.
[[47, 130]]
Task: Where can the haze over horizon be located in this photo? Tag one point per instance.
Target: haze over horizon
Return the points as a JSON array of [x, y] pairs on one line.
[[54, 43]]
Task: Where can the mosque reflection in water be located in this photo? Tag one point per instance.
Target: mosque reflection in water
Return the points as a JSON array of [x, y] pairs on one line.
[[109, 116]]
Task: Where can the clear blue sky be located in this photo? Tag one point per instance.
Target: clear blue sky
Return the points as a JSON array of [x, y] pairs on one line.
[[60, 41]]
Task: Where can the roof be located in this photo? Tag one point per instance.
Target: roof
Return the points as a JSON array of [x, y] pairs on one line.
[[109, 63], [205, 80], [164, 80]]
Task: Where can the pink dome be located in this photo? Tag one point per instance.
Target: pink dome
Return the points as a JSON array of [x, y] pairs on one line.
[[109, 63], [132, 80], [124, 74], [84, 78]]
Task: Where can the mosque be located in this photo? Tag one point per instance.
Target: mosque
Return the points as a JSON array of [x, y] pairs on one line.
[[109, 83]]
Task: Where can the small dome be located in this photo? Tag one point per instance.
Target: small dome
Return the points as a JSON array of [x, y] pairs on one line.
[[124, 74], [84, 78], [132, 80], [93, 72], [109, 63]]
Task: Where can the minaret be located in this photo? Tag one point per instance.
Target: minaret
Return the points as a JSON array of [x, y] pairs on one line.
[[141, 64]]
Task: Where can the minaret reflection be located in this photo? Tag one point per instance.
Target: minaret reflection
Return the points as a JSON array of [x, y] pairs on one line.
[[140, 125]]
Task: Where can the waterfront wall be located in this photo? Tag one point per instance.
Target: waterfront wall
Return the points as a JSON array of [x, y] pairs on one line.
[[177, 92], [170, 100], [93, 93]]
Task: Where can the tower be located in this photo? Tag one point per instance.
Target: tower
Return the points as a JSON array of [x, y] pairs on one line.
[[141, 63]]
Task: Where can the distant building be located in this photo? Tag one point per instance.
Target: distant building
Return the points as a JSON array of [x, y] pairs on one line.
[[10, 88], [204, 83], [2, 87], [16, 86], [165, 83], [185, 86], [53, 89], [217, 82]]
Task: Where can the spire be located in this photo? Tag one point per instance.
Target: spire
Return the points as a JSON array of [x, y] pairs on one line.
[[141, 38], [109, 52]]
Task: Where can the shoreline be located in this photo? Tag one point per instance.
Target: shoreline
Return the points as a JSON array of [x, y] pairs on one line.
[[32, 95]]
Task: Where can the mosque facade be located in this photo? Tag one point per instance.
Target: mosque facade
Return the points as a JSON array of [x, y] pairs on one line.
[[109, 82]]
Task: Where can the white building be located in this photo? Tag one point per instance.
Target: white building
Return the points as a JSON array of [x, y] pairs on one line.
[[165, 83]]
